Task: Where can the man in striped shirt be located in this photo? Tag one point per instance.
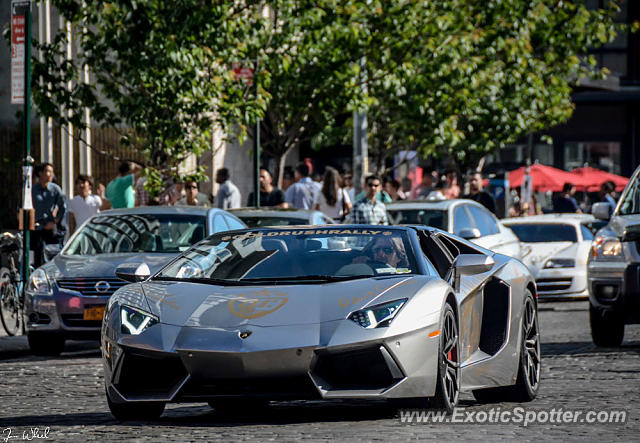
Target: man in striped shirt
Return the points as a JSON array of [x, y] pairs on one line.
[[368, 210]]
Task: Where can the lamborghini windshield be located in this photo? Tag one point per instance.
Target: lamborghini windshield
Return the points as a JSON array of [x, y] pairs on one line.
[[277, 255]]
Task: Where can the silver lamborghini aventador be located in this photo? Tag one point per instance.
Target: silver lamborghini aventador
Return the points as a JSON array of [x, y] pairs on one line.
[[323, 312]]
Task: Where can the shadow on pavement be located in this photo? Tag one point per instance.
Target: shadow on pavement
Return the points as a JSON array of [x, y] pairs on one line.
[[18, 347], [573, 348], [202, 415]]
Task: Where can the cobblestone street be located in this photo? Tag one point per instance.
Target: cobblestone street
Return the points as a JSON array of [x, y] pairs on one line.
[[66, 395]]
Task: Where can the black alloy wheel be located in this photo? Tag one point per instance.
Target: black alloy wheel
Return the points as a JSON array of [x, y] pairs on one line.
[[448, 383]]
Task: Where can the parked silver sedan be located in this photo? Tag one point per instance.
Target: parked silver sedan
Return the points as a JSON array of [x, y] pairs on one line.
[[66, 297], [462, 217], [259, 217]]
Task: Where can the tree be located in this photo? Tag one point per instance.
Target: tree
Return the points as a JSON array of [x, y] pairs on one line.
[[161, 71], [320, 75], [465, 77]]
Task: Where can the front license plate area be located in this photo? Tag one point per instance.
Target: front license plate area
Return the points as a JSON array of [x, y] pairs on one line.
[[93, 313]]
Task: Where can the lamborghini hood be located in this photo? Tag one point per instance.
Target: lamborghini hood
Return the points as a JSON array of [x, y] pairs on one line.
[[210, 306]]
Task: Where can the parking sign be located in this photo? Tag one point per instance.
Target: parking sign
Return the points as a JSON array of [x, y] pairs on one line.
[[18, 24]]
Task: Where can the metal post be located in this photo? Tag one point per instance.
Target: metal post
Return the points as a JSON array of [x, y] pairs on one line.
[[67, 130], [360, 150], [256, 149], [85, 140], [27, 141]]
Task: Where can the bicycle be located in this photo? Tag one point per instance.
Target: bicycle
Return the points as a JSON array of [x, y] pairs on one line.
[[11, 283]]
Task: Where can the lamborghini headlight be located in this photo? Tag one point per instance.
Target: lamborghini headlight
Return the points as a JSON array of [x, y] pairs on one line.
[[606, 248], [39, 283], [133, 321], [377, 316], [554, 263]]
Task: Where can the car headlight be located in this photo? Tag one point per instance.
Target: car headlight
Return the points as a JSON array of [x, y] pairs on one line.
[[133, 321], [554, 263], [39, 283], [607, 248], [377, 316]]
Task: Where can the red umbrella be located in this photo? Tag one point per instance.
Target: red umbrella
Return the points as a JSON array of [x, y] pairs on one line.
[[545, 178], [594, 178]]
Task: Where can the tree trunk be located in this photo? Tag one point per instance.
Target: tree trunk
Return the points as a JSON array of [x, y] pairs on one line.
[[282, 158]]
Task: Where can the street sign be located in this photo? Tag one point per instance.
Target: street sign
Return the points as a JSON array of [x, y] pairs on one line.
[[18, 24], [242, 73]]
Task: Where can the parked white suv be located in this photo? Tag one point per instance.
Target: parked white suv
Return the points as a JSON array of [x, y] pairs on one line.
[[613, 269]]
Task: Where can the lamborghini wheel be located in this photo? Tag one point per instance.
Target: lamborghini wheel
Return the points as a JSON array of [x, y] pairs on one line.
[[448, 382], [530, 364], [136, 411]]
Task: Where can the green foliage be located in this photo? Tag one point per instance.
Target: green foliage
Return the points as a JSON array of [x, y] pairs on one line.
[[458, 77], [160, 68]]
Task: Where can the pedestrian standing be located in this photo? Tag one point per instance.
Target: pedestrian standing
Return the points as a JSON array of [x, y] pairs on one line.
[[84, 204], [606, 191], [332, 199], [120, 190], [347, 183], [302, 193], [425, 187], [566, 202], [228, 196], [451, 189], [49, 205], [392, 186], [269, 194], [142, 195], [193, 197], [287, 178], [476, 193], [369, 210]]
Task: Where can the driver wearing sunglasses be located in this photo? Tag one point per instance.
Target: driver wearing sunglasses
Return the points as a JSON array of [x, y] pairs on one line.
[[386, 251]]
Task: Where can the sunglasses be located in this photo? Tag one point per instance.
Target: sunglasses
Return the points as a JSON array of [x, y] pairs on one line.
[[191, 187], [373, 185], [386, 249]]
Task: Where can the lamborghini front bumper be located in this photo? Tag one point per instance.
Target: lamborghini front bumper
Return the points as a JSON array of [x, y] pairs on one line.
[[172, 364]]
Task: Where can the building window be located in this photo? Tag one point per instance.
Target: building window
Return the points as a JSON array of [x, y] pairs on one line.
[[601, 155]]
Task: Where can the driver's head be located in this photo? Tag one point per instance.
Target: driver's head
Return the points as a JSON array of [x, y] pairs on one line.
[[386, 250]]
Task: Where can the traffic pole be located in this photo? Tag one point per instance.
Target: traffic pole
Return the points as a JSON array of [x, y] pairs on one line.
[[26, 213], [256, 149]]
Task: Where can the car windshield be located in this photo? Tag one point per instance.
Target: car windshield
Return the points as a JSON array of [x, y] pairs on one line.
[[630, 203], [431, 217], [258, 222], [305, 255], [113, 234], [539, 232]]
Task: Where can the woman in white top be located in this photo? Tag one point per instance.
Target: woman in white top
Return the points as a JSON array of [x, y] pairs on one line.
[[332, 199]]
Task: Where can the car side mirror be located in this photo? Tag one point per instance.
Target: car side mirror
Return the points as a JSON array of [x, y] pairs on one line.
[[601, 211], [50, 251], [133, 272], [469, 233], [631, 233], [470, 264]]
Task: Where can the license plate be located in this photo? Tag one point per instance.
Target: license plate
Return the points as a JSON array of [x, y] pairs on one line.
[[94, 313]]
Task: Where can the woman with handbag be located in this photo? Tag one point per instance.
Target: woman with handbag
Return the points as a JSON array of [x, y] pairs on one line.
[[333, 200]]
